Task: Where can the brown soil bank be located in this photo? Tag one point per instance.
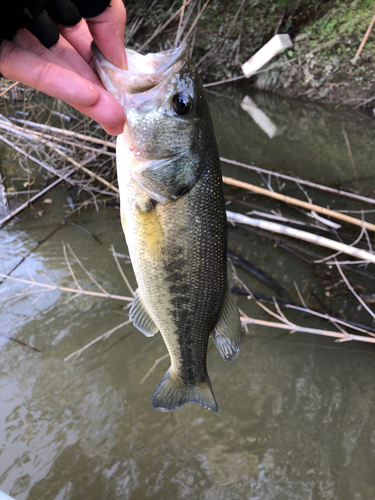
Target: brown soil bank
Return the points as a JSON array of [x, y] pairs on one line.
[[224, 34]]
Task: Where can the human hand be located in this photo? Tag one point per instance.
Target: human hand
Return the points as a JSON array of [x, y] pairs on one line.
[[66, 70]]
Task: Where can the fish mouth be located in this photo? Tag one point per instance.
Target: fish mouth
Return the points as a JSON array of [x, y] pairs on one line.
[[145, 72]]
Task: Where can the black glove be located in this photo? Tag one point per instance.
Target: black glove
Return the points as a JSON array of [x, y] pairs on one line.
[[40, 16]]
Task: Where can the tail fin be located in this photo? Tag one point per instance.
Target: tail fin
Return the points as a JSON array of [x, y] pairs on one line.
[[172, 393]]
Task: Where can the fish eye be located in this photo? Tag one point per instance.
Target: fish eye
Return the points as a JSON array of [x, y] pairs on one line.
[[182, 103]]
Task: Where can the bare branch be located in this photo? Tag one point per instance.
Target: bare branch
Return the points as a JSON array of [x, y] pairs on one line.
[[157, 361], [121, 271], [104, 336], [360, 300]]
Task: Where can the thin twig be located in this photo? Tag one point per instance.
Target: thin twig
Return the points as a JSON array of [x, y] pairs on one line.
[[70, 133], [195, 21], [101, 337], [360, 300], [180, 24], [8, 88], [364, 40], [70, 268], [16, 340], [157, 361], [301, 181], [299, 203], [67, 289], [302, 235], [121, 271], [302, 329], [34, 198], [54, 147], [357, 240], [350, 154], [85, 270], [160, 29]]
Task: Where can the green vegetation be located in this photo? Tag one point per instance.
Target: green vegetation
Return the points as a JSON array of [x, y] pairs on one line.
[[326, 36]]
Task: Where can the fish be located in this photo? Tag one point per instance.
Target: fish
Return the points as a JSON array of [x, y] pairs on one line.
[[174, 220]]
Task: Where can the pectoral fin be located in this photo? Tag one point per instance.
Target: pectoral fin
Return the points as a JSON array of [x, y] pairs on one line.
[[141, 318], [227, 333], [168, 180]]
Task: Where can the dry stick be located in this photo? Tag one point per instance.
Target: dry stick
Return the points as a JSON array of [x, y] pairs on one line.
[[8, 88], [3, 193], [301, 181], [211, 84], [16, 193], [70, 268], [101, 337], [364, 40], [38, 162], [67, 289], [240, 35], [31, 200], [157, 361], [63, 131], [45, 165], [350, 154], [195, 33], [288, 325], [180, 24], [159, 30], [302, 235], [187, 17], [121, 271], [324, 259], [314, 331], [85, 270], [78, 165], [195, 21], [299, 203], [84, 169], [19, 341], [360, 300], [70, 143]]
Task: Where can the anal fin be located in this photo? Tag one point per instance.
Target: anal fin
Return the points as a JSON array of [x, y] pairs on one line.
[[227, 332], [141, 318]]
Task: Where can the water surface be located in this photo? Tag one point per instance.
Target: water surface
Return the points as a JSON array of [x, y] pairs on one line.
[[296, 413]]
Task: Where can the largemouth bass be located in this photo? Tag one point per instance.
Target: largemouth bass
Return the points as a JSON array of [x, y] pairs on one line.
[[173, 216]]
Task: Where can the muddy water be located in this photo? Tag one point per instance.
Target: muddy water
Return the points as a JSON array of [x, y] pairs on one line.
[[296, 412]]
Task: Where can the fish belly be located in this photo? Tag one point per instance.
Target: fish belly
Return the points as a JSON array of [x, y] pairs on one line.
[[178, 251]]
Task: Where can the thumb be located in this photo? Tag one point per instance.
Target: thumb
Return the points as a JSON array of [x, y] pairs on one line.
[[108, 32]]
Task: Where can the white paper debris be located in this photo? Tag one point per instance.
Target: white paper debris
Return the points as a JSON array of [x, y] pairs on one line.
[[260, 118], [266, 53]]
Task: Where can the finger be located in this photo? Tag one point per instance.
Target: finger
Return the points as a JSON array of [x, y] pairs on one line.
[[62, 54], [19, 64], [80, 38], [64, 51], [111, 21], [107, 111]]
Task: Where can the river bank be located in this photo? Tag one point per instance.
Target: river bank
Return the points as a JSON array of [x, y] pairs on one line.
[[321, 65]]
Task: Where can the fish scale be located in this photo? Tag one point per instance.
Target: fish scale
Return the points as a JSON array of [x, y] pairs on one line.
[[173, 215]]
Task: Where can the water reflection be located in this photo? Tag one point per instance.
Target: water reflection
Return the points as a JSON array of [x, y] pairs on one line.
[[260, 118], [295, 417]]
